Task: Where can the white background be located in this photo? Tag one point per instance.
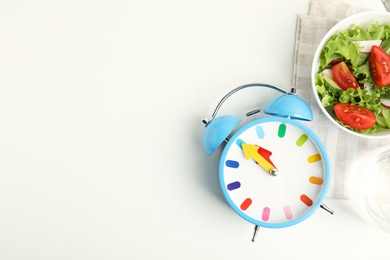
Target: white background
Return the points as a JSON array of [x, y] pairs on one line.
[[100, 140]]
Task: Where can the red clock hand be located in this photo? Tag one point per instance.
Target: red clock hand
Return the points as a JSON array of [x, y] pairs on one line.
[[266, 154]]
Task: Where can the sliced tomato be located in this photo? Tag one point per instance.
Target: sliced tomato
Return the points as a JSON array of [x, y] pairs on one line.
[[343, 76], [355, 116], [379, 62]]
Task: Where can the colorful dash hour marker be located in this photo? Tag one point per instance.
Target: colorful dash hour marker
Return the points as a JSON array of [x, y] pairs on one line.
[[287, 212], [245, 205], [316, 180], [234, 185], [239, 142], [301, 140], [305, 199], [282, 130], [260, 132], [266, 213], [232, 164], [314, 158]]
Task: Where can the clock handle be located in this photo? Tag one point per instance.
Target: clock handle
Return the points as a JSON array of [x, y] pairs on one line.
[[207, 121], [324, 207], [255, 233]]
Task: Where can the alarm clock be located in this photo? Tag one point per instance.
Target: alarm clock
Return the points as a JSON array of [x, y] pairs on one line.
[[274, 171]]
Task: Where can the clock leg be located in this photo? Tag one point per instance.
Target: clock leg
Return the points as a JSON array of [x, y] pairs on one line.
[[255, 233], [323, 206]]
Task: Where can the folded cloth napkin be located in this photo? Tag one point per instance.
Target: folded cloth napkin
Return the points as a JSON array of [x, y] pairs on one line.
[[386, 3], [344, 149]]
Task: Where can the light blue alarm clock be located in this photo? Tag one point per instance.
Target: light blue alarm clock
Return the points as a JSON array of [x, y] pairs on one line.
[[274, 171]]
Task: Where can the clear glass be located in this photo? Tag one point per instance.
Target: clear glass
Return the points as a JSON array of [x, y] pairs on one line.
[[372, 188]]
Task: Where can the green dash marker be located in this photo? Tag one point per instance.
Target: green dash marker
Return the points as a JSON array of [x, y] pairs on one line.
[[302, 139], [282, 130]]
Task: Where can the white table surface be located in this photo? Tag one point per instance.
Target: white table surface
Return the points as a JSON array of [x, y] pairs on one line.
[[100, 137]]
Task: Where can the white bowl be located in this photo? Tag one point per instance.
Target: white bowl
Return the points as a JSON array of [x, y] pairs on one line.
[[362, 20]]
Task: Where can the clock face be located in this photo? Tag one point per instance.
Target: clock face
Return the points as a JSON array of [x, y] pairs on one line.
[[259, 148]]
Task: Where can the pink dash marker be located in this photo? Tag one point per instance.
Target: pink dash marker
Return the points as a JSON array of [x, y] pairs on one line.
[[288, 212], [266, 213]]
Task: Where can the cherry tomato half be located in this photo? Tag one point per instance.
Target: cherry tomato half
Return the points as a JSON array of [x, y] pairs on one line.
[[355, 116], [379, 62], [343, 76]]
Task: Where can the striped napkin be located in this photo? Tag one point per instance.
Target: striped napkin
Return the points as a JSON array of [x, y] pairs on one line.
[[344, 149]]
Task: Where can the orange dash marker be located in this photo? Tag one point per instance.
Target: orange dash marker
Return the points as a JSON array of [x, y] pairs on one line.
[[315, 180]]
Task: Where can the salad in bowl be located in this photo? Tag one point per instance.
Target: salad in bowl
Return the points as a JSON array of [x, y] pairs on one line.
[[351, 74]]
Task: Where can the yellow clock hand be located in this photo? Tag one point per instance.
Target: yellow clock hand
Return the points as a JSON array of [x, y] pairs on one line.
[[250, 152]]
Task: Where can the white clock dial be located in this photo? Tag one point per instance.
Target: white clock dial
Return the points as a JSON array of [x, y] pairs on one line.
[[302, 167]]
